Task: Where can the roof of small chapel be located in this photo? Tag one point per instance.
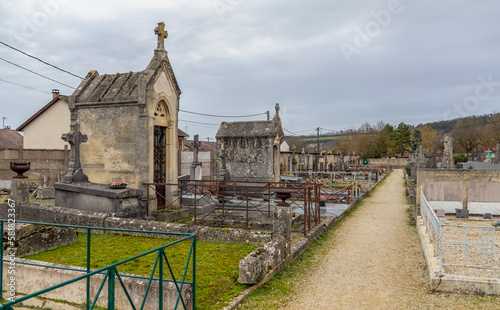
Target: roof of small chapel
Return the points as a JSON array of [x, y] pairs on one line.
[[260, 129], [123, 87]]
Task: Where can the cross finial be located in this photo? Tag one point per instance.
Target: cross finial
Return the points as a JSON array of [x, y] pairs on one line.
[[162, 35], [277, 107]]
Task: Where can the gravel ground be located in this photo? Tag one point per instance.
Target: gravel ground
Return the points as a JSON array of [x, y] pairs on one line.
[[375, 262]]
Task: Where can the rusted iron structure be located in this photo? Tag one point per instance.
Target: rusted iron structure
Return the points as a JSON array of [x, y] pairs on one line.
[[241, 196]]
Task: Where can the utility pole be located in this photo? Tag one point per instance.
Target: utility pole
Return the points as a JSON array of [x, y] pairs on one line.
[[268, 116], [317, 157]]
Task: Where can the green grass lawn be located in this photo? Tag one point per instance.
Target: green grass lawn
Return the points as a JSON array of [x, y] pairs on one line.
[[216, 263]]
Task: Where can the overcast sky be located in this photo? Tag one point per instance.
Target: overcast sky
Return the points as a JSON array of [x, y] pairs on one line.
[[330, 64]]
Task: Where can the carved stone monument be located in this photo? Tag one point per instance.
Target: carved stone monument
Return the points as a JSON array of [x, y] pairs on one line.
[[253, 149], [195, 171], [74, 138], [448, 161], [497, 155]]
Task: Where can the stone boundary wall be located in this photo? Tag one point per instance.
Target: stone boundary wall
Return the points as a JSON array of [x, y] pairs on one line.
[[50, 163], [60, 215], [461, 187], [392, 162], [31, 279]]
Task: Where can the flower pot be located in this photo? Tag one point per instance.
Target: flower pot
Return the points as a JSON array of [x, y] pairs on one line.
[[322, 203]]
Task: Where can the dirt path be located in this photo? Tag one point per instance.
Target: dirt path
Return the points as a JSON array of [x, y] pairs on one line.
[[375, 262]]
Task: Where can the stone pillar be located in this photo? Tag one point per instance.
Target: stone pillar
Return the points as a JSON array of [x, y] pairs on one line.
[[20, 190], [282, 227], [282, 221]]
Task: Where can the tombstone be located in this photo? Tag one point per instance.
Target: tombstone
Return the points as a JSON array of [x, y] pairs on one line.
[[433, 157], [224, 174], [130, 120], [294, 161], [303, 160], [75, 138], [195, 169], [497, 155], [253, 148], [479, 151], [448, 161]]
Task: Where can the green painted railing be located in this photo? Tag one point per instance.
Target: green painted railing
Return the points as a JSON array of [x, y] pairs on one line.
[[111, 273]]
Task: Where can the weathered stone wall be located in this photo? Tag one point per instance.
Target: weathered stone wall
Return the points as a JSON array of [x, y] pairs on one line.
[[452, 188], [249, 158], [117, 144], [31, 279], [59, 215], [50, 163], [392, 162]]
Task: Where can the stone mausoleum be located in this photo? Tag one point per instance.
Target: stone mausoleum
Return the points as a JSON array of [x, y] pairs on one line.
[[130, 120], [252, 148]]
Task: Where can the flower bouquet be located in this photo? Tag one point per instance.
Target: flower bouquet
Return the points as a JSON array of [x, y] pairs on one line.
[[116, 185]]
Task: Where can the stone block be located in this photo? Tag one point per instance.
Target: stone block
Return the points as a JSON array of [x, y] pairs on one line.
[[19, 190], [95, 197], [253, 268], [46, 193], [440, 212], [31, 239]]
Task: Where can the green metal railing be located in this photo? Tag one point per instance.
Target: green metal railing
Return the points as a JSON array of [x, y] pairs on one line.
[[111, 273]]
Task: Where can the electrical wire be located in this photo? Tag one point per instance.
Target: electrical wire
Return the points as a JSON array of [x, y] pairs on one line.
[[44, 62], [45, 77], [42, 91], [200, 123], [226, 116]]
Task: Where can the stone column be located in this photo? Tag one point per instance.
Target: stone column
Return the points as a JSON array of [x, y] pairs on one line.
[[282, 221], [20, 190]]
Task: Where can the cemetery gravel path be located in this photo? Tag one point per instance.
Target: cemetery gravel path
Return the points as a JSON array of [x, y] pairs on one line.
[[375, 261]]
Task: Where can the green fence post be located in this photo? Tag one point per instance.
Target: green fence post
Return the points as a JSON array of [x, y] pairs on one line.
[[160, 289], [111, 289], [88, 268], [194, 271], [1, 262]]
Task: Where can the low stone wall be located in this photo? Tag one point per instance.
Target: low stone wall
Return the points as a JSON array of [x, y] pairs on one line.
[[392, 162], [31, 279], [48, 163], [59, 215], [477, 190]]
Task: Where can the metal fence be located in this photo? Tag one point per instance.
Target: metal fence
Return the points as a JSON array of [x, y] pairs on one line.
[[461, 246], [112, 274], [224, 197]]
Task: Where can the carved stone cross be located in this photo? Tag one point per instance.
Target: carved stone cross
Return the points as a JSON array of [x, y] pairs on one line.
[[196, 146], [223, 155], [75, 138], [162, 35]]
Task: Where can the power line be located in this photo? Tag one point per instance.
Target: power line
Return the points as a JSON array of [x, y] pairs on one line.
[[226, 116], [48, 64], [200, 123], [24, 86], [46, 77]]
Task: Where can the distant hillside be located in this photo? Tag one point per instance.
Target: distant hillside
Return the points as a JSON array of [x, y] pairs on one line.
[[446, 126]]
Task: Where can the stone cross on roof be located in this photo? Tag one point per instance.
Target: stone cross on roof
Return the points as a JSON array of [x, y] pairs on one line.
[[162, 35]]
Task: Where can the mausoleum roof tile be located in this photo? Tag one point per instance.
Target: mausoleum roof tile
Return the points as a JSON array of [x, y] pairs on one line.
[[248, 129]]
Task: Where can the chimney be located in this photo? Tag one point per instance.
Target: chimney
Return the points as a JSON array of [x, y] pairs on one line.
[[55, 93]]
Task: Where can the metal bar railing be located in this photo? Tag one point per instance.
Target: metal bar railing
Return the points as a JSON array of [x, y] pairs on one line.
[[111, 271]]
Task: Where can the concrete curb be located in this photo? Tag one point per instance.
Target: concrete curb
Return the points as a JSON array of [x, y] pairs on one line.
[[449, 283]]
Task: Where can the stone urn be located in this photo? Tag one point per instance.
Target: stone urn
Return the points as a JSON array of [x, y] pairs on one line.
[[20, 167]]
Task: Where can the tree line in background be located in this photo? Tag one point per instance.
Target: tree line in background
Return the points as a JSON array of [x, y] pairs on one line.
[[384, 140]]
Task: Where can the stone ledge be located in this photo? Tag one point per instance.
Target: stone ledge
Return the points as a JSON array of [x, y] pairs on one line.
[[96, 189], [449, 283]]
